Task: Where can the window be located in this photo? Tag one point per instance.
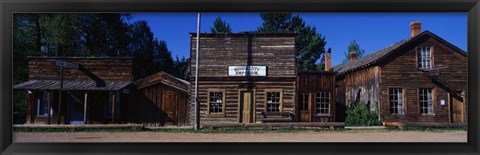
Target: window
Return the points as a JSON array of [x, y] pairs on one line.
[[215, 102], [396, 101], [304, 101], [273, 101], [426, 101], [323, 103], [424, 58], [42, 104], [108, 105]]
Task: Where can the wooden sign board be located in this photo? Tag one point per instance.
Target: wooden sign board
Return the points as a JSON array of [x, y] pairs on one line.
[[65, 64], [247, 70]]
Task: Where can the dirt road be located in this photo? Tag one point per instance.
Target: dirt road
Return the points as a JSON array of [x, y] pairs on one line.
[[303, 136]]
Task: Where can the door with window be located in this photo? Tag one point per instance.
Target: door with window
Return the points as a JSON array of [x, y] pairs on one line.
[[246, 98], [304, 106]]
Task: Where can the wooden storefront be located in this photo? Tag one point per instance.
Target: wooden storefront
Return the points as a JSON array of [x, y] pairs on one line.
[[92, 90], [160, 99], [231, 93]]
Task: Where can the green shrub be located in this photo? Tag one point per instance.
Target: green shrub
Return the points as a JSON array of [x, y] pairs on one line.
[[359, 115]]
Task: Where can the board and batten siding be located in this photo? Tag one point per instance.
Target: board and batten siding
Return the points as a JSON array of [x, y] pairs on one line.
[[402, 72]]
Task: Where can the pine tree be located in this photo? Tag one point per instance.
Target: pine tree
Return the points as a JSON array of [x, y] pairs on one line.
[[309, 45], [220, 26]]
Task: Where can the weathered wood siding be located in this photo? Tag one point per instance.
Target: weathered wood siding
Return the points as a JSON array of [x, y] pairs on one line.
[[104, 68], [147, 106], [362, 85], [218, 51], [317, 82], [402, 72]]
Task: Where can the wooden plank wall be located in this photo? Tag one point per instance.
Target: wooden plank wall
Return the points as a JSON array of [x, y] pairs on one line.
[[146, 106], [318, 82], [219, 52], [365, 81], [105, 68], [231, 104], [402, 72]]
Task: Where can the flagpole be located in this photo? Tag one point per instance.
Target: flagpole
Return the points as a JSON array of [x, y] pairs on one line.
[[197, 105]]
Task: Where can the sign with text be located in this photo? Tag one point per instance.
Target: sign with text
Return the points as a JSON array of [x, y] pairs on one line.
[[247, 70], [61, 63]]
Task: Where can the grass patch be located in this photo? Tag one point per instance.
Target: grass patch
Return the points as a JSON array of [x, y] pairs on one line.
[[76, 129], [426, 129]]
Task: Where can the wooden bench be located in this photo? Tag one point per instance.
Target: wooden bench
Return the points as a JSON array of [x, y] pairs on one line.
[[277, 117]]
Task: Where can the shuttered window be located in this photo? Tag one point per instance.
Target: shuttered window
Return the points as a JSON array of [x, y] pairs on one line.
[[424, 58], [216, 102], [426, 101], [396, 101], [323, 103], [273, 102]]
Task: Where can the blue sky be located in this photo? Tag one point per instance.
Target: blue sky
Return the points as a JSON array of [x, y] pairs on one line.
[[372, 31]]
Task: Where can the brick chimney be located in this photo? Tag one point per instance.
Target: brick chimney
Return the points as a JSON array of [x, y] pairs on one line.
[[415, 28], [353, 56], [328, 65]]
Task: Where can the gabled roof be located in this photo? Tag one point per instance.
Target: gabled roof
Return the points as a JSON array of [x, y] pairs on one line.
[[164, 78], [378, 56]]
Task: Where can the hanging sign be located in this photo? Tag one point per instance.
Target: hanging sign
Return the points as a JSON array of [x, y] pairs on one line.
[[61, 63], [247, 70]]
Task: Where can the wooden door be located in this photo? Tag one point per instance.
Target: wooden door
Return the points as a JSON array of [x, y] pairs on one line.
[[304, 106], [170, 108], [247, 110], [457, 111]]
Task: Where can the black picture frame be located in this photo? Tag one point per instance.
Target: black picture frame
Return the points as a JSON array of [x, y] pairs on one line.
[[8, 7]]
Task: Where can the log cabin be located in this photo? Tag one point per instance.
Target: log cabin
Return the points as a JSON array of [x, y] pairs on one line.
[[419, 79]]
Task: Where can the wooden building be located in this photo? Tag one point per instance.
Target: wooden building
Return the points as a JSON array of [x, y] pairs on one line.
[[101, 91], [160, 99], [92, 91], [420, 79], [242, 75], [316, 94]]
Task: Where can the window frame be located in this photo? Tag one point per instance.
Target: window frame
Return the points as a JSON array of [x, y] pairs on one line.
[[217, 114], [433, 101], [280, 107], [418, 56], [328, 103], [404, 101]]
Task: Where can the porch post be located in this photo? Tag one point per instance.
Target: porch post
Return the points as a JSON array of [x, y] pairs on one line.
[[31, 106], [85, 108], [113, 108], [59, 106], [49, 107]]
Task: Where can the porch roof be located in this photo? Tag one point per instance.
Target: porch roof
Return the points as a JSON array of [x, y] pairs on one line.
[[71, 85]]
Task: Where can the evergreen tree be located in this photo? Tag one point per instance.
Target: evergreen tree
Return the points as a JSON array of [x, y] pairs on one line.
[[220, 26], [309, 45], [353, 47]]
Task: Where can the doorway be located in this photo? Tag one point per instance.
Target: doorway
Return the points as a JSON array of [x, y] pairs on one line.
[[304, 106], [246, 108], [170, 108], [458, 109]]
